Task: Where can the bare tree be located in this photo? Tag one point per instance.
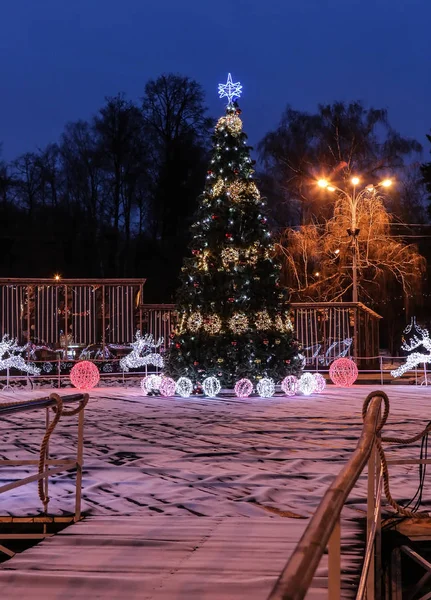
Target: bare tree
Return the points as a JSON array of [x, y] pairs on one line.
[[317, 257]]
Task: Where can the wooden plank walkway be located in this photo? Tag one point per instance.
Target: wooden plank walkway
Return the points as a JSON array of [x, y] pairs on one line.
[[159, 558], [195, 498]]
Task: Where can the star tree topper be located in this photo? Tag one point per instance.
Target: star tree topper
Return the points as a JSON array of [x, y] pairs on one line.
[[229, 89]]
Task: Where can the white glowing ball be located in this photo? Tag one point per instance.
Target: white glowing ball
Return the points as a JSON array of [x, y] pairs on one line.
[[243, 388], [211, 386], [184, 387], [320, 382], [167, 387], [307, 384], [144, 386], [289, 385], [266, 388], [151, 383]]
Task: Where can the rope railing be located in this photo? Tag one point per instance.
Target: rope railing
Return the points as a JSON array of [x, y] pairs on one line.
[[323, 529], [57, 404]]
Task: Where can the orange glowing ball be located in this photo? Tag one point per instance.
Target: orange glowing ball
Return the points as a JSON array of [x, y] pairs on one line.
[[84, 375]]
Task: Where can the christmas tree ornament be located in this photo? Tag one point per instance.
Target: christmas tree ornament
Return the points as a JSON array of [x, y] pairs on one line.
[[307, 384], [243, 388], [212, 324], [343, 372], [238, 323], [194, 322], [211, 386], [84, 375], [266, 387], [320, 382], [289, 385], [184, 387]]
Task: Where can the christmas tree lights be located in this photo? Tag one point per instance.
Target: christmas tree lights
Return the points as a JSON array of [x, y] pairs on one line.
[[233, 312]]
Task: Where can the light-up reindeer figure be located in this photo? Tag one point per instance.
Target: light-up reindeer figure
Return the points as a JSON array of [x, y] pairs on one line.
[[415, 358], [11, 359], [141, 354]]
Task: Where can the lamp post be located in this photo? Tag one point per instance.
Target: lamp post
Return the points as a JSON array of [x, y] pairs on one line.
[[354, 197]]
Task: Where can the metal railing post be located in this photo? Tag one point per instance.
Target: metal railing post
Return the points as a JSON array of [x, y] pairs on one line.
[[334, 563], [378, 536], [79, 465], [381, 369]]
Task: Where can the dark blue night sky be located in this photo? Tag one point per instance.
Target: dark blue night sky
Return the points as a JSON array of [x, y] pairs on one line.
[[60, 59]]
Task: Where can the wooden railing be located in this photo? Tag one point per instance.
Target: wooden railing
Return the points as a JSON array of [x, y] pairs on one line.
[[324, 531], [44, 467]]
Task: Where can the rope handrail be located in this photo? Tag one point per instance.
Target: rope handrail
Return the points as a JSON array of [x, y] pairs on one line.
[[298, 573]]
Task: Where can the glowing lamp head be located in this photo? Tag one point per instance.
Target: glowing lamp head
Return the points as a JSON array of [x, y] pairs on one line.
[[337, 251], [355, 180], [57, 277], [322, 183], [316, 274], [387, 183]]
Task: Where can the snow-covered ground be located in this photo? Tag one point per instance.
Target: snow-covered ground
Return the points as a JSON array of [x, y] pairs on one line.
[[147, 455], [152, 457]]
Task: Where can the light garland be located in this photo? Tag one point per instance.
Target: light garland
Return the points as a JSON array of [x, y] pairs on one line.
[[243, 388], [320, 382], [212, 324], [238, 323], [307, 384], [167, 387], [184, 387], [263, 321], [289, 385], [194, 322], [232, 123], [239, 190], [266, 387], [228, 256], [414, 359], [10, 359], [211, 386], [218, 187], [142, 344]]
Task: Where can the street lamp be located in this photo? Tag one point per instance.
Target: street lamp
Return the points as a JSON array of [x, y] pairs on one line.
[[354, 198]]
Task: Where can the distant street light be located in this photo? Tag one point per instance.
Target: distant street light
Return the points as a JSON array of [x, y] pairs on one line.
[[354, 198]]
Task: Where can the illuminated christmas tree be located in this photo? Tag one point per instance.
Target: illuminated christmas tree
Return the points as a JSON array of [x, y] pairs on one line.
[[233, 314]]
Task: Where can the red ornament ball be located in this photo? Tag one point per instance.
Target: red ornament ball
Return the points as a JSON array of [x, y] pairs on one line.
[[214, 216], [228, 235], [343, 372], [266, 342], [84, 375], [231, 299], [196, 285], [234, 343], [177, 345]]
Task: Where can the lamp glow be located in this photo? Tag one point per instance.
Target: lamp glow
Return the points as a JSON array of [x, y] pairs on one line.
[[355, 180], [322, 183], [387, 183]]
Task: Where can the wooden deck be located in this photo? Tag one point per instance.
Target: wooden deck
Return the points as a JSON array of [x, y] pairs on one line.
[[195, 498], [159, 558]]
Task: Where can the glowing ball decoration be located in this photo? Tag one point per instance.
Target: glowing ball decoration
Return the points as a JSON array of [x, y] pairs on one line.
[[243, 388], [307, 384], [266, 388], [211, 386], [289, 385], [144, 386], [343, 372], [320, 382], [184, 387], [151, 383], [84, 375], [167, 387]]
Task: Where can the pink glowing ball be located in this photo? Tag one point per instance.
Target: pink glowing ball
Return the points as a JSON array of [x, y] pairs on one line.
[[320, 382], [167, 387], [243, 388], [289, 385], [343, 372], [84, 375]]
